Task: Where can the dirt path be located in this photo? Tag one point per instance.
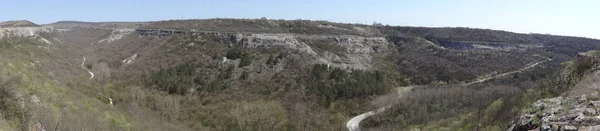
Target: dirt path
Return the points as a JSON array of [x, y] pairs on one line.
[[507, 73], [354, 123], [82, 66]]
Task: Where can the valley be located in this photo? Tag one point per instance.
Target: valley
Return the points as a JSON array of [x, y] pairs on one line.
[[258, 74]]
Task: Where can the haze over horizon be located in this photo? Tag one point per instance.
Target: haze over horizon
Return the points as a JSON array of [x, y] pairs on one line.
[[572, 18]]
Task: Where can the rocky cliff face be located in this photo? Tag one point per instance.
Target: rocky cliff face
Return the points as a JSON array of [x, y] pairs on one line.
[[24, 31], [345, 51], [353, 51], [117, 34], [40, 34]]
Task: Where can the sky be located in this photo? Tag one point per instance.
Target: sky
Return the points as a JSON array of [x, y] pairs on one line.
[[558, 17]]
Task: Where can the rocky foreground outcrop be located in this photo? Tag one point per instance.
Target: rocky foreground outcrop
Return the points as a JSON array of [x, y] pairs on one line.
[[576, 110], [570, 113]]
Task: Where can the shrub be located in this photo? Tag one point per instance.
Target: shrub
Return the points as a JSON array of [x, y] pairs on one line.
[[176, 80], [332, 83], [10, 108], [244, 75], [272, 61], [238, 53], [235, 53], [246, 60]]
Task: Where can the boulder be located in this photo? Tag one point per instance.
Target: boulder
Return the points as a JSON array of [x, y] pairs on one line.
[[589, 112], [592, 120], [545, 127], [579, 118], [590, 128], [570, 128], [523, 123], [595, 104], [582, 99], [553, 111]]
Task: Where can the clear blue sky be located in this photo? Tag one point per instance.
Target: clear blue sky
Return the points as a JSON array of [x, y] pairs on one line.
[[564, 17]]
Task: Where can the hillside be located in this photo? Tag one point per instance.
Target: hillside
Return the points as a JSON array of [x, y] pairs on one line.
[[71, 24], [576, 106], [259, 74], [18, 23], [268, 26]]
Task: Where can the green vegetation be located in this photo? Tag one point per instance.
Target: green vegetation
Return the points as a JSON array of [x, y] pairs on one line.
[[204, 94], [490, 106], [318, 97], [332, 83], [180, 79], [181, 82], [423, 63], [238, 53], [175, 80], [423, 106], [10, 107], [33, 93], [562, 81]]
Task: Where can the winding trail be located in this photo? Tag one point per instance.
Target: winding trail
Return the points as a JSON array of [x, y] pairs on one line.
[[354, 123], [508, 73], [82, 66]]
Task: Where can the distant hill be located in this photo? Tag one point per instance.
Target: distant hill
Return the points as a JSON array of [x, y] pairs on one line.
[[70, 24], [268, 26], [18, 23]]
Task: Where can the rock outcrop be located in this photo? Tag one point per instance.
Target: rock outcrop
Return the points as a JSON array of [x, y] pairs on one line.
[[35, 33], [562, 113], [576, 110], [358, 50], [24, 31], [117, 34]]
